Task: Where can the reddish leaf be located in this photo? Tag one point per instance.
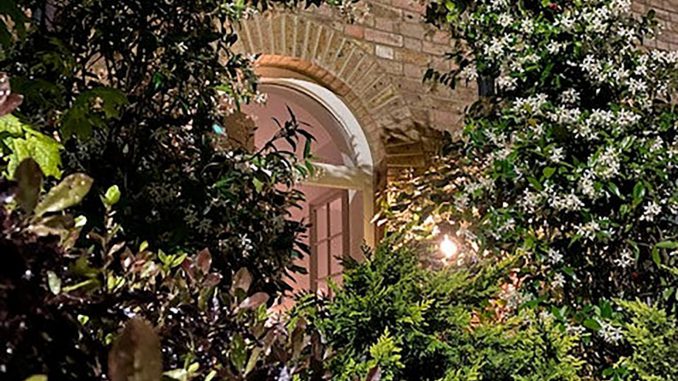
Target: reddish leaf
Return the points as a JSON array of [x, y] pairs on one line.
[[254, 301], [136, 354], [374, 374], [242, 280], [204, 261]]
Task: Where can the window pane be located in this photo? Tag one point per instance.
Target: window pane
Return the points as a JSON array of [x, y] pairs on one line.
[[323, 259], [337, 252], [336, 216], [321, 222]]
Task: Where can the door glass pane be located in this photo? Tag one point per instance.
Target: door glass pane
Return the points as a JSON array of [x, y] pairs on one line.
[[321, 222], [336, 215], [323, 259], [337, 252]]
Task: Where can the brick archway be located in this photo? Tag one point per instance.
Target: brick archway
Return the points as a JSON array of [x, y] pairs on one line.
[[291, 45]]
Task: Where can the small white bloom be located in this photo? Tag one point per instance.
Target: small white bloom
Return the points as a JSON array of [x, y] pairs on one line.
[[570, 96], [610, 333], [625, 259], [650, 211], [554, 256], [527, 26], [558, 280], [557, 155], [507, 83]]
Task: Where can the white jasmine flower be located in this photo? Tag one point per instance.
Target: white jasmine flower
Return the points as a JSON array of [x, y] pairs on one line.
[[507, 83], [610, 333], [588, 230], [586, 185], [527, 26], [636, 86], [553, 256], [469, 73], [556, 155], [570, 96], [650, 211], [607, 165], [565, 21], [625, 259], [505, 20], [558, 280]]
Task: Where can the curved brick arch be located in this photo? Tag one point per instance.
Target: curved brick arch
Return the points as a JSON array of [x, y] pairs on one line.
[[294, 44]]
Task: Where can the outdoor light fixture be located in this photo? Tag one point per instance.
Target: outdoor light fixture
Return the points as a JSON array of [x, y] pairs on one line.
[[448, 247]]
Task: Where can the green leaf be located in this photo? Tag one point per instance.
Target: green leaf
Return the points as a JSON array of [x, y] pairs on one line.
[[258, 184], [615, 190], [592, 324], [24, 142], [29, 180], [671, 245], [37, 377], [66, 194], [238, 352], [639, 191], [548, 172], [53, 282], [112, 196]]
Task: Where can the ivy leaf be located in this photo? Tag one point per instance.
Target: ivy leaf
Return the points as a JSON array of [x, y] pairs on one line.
[[67, 193]]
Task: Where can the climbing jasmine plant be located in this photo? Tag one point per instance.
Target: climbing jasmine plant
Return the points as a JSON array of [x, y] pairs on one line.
[[569, 160]]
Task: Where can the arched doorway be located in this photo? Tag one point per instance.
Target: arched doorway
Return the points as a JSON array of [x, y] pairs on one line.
[[340, 197]]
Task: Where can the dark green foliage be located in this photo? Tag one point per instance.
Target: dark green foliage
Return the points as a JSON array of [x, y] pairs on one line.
[[61, 306], [419, 324], [136, 90]]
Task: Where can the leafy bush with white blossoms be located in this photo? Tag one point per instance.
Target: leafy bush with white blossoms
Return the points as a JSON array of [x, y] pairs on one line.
[[569, 160], [578, 147]]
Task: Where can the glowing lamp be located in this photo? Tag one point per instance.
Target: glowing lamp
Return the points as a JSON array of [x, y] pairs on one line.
[[448, 247]]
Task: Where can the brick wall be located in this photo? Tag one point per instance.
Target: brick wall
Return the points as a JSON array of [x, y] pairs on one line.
[[667, 13], [391, 48]]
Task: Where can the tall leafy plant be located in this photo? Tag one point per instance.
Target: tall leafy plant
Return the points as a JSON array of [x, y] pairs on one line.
[[568, 160], [137, 92]]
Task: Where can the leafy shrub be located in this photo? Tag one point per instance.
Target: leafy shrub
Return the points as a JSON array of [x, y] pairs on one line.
[[568, 160], [420, 324], [653, 337], [139, 105], [62, 305]]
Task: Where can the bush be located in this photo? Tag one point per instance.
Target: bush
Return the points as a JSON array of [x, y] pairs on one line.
[[61, 306], [653, 337], [141, 104], [419, 324]]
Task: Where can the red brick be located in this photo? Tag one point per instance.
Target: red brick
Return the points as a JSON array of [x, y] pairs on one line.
[[385, 38], [355, 31]]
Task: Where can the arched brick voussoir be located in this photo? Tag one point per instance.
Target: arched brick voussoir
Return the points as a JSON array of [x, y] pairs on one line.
[[307, 49]]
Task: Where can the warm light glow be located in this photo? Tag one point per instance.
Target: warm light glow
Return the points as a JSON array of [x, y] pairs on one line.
[[448, 247]]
